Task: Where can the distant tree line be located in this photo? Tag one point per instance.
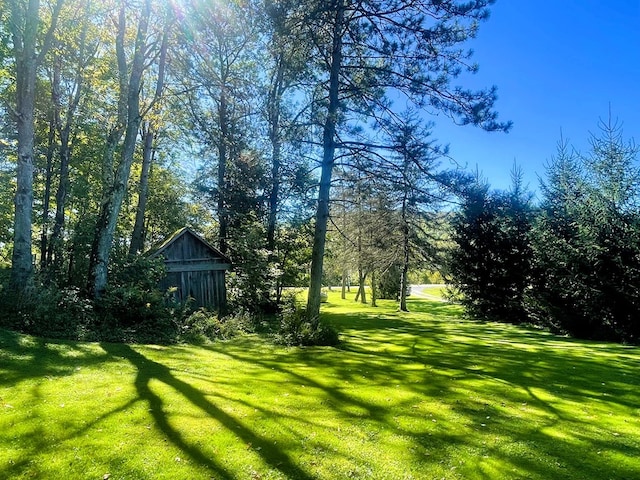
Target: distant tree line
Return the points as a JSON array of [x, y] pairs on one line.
[[570, 262]]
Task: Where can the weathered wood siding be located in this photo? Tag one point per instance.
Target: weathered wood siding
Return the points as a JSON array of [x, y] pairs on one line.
[[205, 289], [195, 271]]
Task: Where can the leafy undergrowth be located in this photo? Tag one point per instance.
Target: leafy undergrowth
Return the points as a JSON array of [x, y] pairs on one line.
[[407, 395]]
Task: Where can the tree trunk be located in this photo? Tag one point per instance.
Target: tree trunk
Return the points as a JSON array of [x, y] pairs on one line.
[[112, 203], [24, 45], [374, 290], [148, 136], [329, 146], [138, 235], [274, 106], [46, 201], [405, 254], [55, 243], [55, 257], [362, 277], [223, 215], [343, 293], [274, 197]]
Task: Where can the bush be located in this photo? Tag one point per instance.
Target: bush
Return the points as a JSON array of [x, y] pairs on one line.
[[49, 312], [199, 327], [297, 330], [135, 314], [389, 283], [203, 326], [133, 309], [490, 262]]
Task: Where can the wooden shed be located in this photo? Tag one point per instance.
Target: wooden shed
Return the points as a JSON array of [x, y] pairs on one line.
[[195, 269]]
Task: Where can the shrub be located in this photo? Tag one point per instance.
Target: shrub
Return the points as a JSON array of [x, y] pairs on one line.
[[133, 309], [133, 313], [389, 283], [297, 330], [203, 326], [48, 312], [199, 327]]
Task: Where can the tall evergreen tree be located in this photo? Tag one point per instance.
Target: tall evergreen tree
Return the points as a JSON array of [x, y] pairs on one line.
[[287, 53], [490, 262], [412, 171], [586, 239], [370, 48], [218, 87]]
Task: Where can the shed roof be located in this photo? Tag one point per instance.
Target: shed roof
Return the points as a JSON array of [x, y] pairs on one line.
[[181, 233]]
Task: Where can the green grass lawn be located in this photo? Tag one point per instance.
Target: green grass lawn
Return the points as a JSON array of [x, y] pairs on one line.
[[421, 395], [435, 291]]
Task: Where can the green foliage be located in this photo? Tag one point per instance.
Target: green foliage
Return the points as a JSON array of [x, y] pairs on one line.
[[572, 266], [586, 242], [48, 312], [490, 263], [7, 192], [252, 281], [166, 210], [389, 283], [136, 314], [199, 327], [131, 310], [297, 330], [423, 276], [203, 326], [293, 253], [75, 264]]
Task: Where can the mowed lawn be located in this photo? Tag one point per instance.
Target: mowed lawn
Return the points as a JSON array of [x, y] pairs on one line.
[[422, 395]]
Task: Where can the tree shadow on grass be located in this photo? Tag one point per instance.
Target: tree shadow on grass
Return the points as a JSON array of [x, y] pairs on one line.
[[24, 357], [446, 362], [34, 361], [520, 356], [512, 364], [148, 370]]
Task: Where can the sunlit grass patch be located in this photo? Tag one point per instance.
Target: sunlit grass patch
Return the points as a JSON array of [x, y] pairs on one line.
[[435, 290], [417, 395]]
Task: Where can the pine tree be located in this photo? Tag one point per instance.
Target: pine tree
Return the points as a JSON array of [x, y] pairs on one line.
[[372, 48]]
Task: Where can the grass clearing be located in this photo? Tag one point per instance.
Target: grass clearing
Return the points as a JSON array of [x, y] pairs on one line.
[[407, 395]]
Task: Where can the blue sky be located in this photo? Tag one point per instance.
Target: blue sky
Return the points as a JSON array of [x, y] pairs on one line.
[[558, 65]]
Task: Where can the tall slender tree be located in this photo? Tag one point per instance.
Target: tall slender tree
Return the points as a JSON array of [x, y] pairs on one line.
[[128, 123], [287, 53], [412, 171], [25, 24], [218, 86], [149, 134], [371, 48], [71, 61]]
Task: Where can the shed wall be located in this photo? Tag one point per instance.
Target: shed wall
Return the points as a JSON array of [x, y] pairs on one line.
[[205, 288], [196, 272]]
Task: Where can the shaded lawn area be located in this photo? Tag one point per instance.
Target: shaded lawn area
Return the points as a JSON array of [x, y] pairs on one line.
[[407, 395]]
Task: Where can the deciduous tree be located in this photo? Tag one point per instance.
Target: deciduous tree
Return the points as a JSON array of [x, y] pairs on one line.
[[29, 49], [127, 124]]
